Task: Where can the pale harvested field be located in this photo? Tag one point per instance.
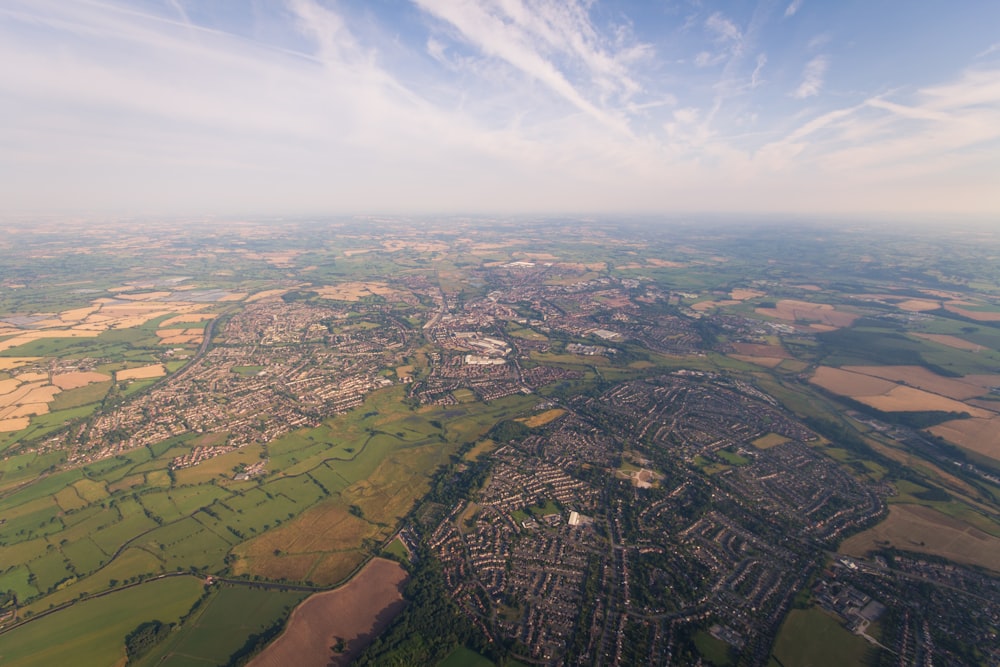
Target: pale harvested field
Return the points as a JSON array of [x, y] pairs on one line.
[[941, 294], [793, 311], [7, 386], [918, 305], [916, 376], [199, 317], [744, 294], [259, 296], [921, 529], [80, 379], [702, 306], [24, 410], [754, 350], [145, 296], [951, 341], [354, 291], [908, 399], [404, 371], [986, 381], [666, 263], [809, 288], [33, 377], [180, 336], [16, 424], [543, 418], [766, 362], [357, 251], [580, 266], [28, 392], [30, 336], [356, 612], [77, 314], [850, 384], [979, 316], [10, 363], [978, 435], [141, 373], [419, 246]]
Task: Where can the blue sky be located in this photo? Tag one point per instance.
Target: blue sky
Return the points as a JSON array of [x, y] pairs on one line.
[[793, 107]]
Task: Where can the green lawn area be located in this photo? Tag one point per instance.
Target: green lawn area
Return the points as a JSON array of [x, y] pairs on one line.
[[715, 651], [814, 637], [463, 657], [93, 632], [220, 626]]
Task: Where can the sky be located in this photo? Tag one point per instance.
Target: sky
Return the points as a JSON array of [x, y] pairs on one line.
[[888, 109]]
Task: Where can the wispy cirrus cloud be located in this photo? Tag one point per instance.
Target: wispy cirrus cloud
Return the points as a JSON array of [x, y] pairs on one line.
[[554, 43], [480, 105], [793, 7], [812, 78]]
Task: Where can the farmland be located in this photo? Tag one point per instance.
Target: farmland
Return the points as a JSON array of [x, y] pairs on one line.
[[924, 530], [351, 614], [275, 404]]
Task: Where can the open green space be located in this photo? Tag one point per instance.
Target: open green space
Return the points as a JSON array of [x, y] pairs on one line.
[[92, 632], [814, 637], [220, 625]]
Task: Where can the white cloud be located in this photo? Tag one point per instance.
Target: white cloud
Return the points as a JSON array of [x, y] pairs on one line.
[[724, 29], [500, 105], [707, 59], [793, 8], [812, 78], [755, 79]]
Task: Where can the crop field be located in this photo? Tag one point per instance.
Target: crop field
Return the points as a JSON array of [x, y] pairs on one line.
[[951, 341], [327, 527], [804, 311], [978, 435], [220, 625], [142, 372], [887, 395], [542, 418], [908, 399], [847, 383], [924, 530], [353, 613], [91, 632], [921, 378]]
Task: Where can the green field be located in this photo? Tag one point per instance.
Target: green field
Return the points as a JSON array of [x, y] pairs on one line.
[[463, 657], [93, 632], [220, 625], [814, 637]]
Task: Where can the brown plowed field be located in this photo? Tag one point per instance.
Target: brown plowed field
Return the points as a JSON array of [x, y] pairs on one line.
[[356, 612]]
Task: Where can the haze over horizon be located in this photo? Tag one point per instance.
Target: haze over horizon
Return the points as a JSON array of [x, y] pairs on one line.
[[790, 107]]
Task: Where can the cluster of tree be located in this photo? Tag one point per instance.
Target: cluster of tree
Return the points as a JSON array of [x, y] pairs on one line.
[[429, 628], [145, 637]]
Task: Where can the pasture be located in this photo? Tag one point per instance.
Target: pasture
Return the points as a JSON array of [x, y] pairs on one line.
[[220, 626], [92, 632]]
